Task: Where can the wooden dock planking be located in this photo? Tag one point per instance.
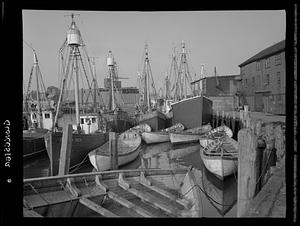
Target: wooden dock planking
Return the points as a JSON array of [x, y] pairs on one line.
[[95, 207], [129, 205], [148, 197], [149, 184], [30, 213], [121, 200]]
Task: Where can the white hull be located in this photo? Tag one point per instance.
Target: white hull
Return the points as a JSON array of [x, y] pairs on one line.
[[128, 150], [155, 137], [178, 138], [102, 163], [220, 167]]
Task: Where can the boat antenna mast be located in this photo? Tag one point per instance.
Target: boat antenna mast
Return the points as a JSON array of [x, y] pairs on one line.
[[184, 77], [173, 75], [73, 64], [148, 81], [112, 76], [35, 69]]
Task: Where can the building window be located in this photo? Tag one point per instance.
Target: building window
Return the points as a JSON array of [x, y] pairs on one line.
[[47, 115], [82, 120], [267, 83], [278, 80], [253, 82], [258, 65], [93, 120], [278, 59], [267, 63]]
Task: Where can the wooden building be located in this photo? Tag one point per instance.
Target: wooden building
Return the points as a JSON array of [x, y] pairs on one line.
[[221, 90], [263, 80]]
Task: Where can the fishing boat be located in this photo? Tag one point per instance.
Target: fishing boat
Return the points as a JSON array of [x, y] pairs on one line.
[[37, 119], [117, 193], [128, 150], [116, 119], [147, 111], [221, 157], [84, 139], [219, 133], [161, 136], [189, 135]]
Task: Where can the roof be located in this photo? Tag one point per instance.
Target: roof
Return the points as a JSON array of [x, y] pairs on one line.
[[213, 77], [276, 48]]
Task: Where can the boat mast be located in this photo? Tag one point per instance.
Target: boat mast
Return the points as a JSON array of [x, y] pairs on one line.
[[147, 99], [110, 64], [35, 63], [184, 73]]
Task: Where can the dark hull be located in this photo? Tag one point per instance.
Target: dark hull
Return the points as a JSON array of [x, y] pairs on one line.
[[192, 112], [82, 144], [33, 143], [32, 147], [155, 119], [119, 122]]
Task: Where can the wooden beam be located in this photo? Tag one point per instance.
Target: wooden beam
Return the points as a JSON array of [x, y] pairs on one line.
[[149, 198], [70, 185], [65, 151], [95, 207], [30, 213], [149, 184], [129, 205]]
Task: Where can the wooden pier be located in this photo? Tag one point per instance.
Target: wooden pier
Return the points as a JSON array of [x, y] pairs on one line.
[[261, 166]]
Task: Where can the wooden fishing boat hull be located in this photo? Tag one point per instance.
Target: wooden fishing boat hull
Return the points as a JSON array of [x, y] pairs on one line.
[[128, 150], [181, 138], [192, 112], [220, 166], [190, 135], [223, 163], [155, 119], [82, 144], [155, 137], [117, 193], [33, 143]]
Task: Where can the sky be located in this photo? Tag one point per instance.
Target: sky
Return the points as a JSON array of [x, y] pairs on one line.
[[221, 39]]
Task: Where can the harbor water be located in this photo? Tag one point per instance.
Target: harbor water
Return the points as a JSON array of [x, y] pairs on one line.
[[218, 197]]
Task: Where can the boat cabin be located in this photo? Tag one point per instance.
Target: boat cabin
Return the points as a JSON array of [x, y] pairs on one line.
[[89, 123], [46, 119]]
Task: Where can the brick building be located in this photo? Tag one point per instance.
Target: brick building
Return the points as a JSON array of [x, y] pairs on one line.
[[263, 80]]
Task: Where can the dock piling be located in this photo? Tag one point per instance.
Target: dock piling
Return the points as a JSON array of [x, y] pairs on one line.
[[248, 168], [113, 150], [65, 151]]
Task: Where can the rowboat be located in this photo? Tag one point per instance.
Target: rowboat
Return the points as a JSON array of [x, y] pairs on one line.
[[144, 127], [220, 132], [221, 157], [161, 136], [189, 135], [117, 193], [128, 150]]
